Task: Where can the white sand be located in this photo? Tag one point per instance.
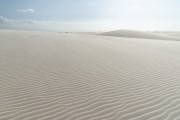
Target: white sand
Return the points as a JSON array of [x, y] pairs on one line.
[[169, 33], [142, 34], [56, 76]]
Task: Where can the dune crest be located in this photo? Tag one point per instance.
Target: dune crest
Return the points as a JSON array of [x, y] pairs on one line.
[[139, 34]]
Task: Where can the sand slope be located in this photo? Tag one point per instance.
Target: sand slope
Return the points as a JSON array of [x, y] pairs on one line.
[[169, 33], [140, 34], [54, 76]]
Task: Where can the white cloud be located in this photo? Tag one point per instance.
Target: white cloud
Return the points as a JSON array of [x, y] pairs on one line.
[[59, 26], [26, 10], [4, 20]]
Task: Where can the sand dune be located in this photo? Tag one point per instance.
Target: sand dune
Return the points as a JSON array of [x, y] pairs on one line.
[[140, 34], [169, 33], [57, 76]]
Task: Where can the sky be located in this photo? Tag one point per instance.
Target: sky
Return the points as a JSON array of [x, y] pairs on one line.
[[90, 15]]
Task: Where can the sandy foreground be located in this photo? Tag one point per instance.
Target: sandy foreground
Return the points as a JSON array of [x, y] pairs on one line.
[[58, 76]]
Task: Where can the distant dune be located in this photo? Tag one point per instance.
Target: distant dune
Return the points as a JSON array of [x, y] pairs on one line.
[[139, 34], [169, 33], [59, 76]]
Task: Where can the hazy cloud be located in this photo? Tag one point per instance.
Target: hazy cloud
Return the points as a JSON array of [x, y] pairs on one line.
[[26, 10], [28, 21], [59, 26], [4, 20]]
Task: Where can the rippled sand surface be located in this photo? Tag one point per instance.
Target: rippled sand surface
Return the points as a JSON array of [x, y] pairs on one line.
[[56, 76]]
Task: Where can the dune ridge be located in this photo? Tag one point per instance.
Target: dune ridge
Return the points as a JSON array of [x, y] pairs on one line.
[[142, 34], [57, 76]]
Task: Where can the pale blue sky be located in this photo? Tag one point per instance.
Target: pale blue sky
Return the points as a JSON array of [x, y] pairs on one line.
[[90, 15]]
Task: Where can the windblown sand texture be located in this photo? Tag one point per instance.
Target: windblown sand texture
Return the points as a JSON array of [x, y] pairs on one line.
[[57, 76]]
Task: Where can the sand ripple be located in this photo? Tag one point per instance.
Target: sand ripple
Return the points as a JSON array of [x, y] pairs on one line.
[[53, 76]]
